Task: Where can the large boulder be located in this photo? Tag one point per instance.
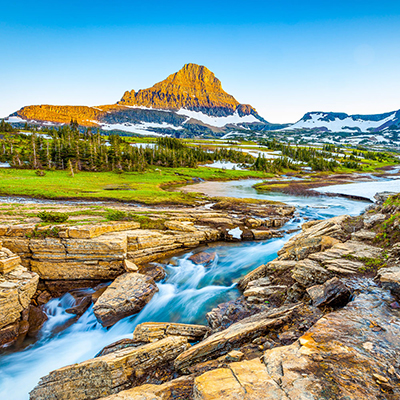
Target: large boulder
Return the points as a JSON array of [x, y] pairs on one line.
[[127, 295], [108, 374]]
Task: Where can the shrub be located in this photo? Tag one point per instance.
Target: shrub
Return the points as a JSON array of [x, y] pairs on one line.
[[57, 217], [116, 215]]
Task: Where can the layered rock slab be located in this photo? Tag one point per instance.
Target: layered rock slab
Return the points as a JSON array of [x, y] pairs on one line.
[[108, 374], [127, 295], [235, 335]]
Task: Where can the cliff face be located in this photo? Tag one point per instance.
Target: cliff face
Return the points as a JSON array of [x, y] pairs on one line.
[[194, 87]]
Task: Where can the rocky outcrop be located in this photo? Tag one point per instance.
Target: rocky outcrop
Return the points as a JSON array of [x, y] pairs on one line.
[[316, 236], [17, 287], [237, 334], [152, 331], [177, 389], [351, 353], [127, 295], [108, 374]]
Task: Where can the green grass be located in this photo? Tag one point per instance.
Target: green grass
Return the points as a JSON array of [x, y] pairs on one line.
[[144, 187]]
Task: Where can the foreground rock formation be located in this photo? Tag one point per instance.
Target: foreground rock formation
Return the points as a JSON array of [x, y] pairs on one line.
[[17, 287], [321, 321]]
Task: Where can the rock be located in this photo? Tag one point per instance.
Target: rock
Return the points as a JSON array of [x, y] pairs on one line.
[[226, 314], [16, 290], [352, 248], [83, 300], [246, 380], [9, 334], [118, 345], [390, 279], [184, 226], [130, 266], [177, 389], [373, 219], [155, 271], [203, 258], [37, 317], [127, 295], [235, 335], [333, 293], [253, 222], [152, 331], [308, 272], [7, 262], [43, 298], [314, 237], [98, 291], [264, 270], [363, 235], [234, 356], [108, 374], [262, 293], [341, 353], [261, 235], [93, 231]]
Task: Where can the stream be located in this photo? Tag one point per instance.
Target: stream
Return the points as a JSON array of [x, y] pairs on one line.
[[187, 293]]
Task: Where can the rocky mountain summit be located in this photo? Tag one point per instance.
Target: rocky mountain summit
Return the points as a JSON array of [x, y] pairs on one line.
[[189, 102], [194, 87]]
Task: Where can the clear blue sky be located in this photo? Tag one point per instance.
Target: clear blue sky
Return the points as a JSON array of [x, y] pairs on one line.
[[284, 58]]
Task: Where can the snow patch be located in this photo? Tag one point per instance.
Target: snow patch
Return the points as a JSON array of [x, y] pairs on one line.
[[218, 122], [236, 233]]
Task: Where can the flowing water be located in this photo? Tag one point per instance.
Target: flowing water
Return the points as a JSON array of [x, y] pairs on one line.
[[186, 295]]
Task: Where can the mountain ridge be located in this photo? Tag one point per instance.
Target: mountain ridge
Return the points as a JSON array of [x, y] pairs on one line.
[[191, 99]]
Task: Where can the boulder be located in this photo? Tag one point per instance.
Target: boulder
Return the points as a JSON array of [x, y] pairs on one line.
[[152, 331], [37, 317], [308, 272], [108, 374], [264, 270], [363, 234], [316, 236], [246, 380], [235, 335], [203, 258], [390, 279], [225, 314], [333, 293], [127, 295], [372, 219]]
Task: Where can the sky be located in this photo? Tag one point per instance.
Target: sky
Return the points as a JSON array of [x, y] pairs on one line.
[[284, 58]]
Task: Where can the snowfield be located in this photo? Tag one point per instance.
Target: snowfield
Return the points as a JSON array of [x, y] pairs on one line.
[[338, 125], [218, 122]]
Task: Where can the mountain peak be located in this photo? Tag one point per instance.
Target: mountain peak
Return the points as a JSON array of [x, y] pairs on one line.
[[194, 87]]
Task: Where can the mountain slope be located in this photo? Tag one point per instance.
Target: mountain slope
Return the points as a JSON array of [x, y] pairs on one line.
[[190, 101], [341, 122]]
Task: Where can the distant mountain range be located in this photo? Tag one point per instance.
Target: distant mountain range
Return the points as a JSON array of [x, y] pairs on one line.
[[341, 122], [191, 102]]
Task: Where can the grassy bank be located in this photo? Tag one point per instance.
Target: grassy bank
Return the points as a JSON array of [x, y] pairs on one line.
[[144, 187]]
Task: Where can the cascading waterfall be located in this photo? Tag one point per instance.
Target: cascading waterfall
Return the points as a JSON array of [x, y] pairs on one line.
[[186, 295]]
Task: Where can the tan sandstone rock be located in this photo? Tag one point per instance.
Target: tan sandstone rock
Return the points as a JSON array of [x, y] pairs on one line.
[[108, 374], [151, 331], [127, 295]]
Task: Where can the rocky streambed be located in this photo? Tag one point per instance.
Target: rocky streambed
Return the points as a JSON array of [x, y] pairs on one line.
[[303, 316]]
